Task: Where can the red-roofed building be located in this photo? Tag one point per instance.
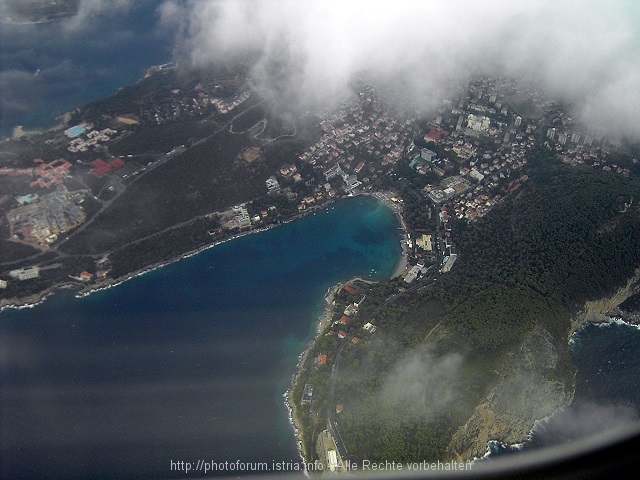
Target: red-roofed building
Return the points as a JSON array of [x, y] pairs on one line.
[[86, 276], [342, 334], [435, 133], [100, 167], [344, 319], [355, 340], [322, 359]]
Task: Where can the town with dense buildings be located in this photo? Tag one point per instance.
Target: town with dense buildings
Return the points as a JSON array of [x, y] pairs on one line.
[[453, 166], [460, 162]]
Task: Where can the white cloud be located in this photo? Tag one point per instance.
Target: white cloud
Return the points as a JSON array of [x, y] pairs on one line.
[[422, 384], [310, 51]]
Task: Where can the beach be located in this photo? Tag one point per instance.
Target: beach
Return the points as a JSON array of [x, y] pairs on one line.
[[403, 263]]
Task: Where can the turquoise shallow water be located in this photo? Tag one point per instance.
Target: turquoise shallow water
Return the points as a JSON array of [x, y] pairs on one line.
[[184, 363]]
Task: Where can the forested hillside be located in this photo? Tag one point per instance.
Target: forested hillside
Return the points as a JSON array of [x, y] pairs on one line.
[[572, 236]]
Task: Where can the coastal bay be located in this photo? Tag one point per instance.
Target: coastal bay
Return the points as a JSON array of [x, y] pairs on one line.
[[189, 360]]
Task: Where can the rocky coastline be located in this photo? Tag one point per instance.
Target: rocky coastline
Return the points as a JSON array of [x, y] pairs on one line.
[[605, 309], [524, 392]]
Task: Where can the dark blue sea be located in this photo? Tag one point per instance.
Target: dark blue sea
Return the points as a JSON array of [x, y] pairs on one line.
[[188, 362], [50, 68], [607, 396]]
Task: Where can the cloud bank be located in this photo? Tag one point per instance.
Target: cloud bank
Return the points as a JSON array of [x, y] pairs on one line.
[[309, 53], [421, 384]]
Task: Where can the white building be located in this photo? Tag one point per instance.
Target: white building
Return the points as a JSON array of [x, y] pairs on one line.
[[562, 138], [272, 183], [478, 123], [25, 273], [427, 154], [551, 133], [448, 262], [476, 175]]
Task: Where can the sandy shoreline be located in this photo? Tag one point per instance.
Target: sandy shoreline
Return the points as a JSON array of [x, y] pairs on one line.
[[403, 263]]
